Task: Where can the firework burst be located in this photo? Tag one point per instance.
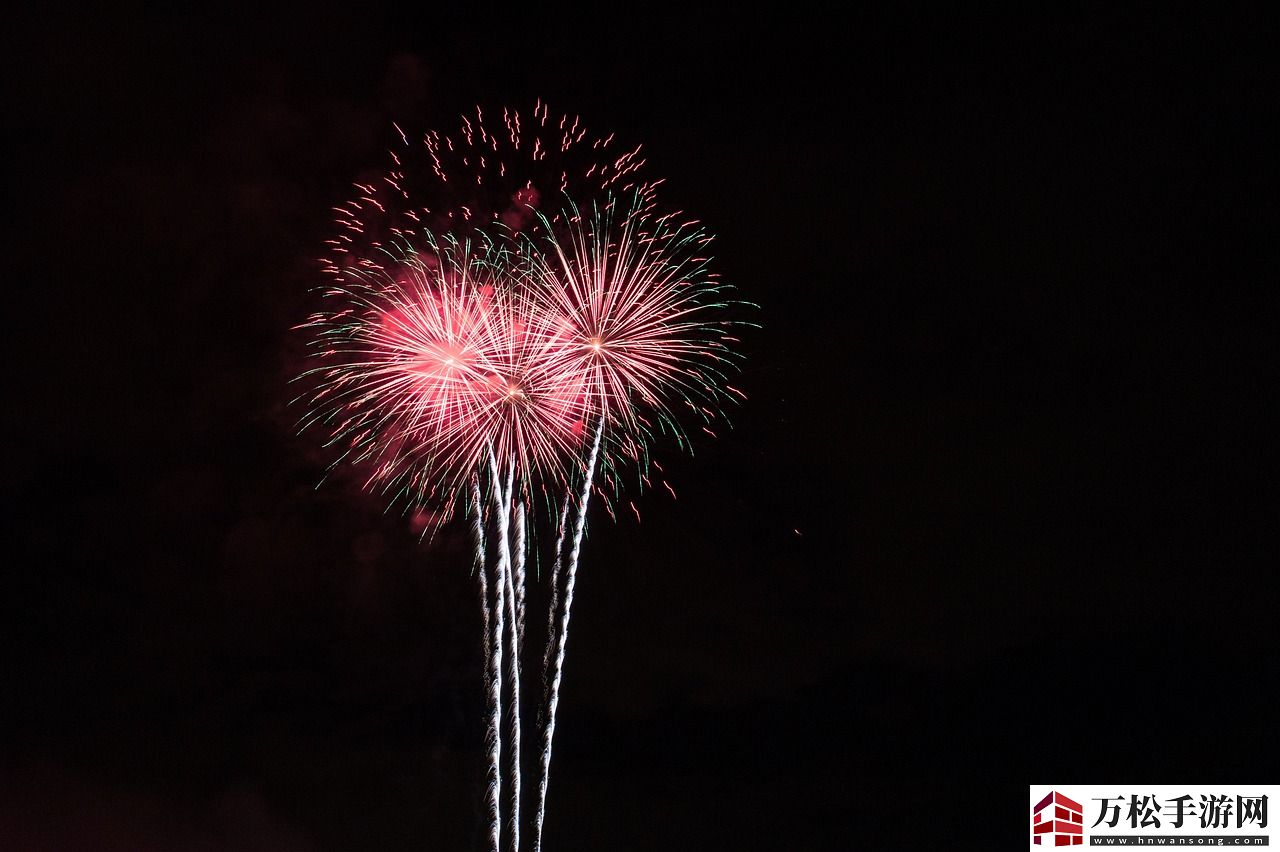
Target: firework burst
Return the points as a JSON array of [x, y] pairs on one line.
[[477, 348], [433, 362], [637, 312]]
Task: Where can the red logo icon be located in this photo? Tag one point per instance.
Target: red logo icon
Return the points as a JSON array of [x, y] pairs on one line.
[[1060, 818]]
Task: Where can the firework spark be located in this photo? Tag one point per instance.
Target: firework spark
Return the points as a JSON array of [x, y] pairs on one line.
[[495, 170]]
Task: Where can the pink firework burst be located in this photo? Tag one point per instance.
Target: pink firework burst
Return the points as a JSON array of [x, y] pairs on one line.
[[640, 315], [435, 361], [471, 317]]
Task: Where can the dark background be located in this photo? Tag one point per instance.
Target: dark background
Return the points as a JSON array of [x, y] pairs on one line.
[[1000, 508]]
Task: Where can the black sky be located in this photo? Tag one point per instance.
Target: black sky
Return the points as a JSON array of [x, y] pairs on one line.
[[1000, 508]]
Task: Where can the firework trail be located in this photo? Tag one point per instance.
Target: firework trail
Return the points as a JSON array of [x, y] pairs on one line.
[[553, 610], [492, 670], [502, 495], [562, 636], [521, 551], [548, 654]]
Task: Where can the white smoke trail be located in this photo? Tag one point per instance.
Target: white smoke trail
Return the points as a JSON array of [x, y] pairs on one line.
[[553, 611], [519, 555], [553, 618], [562, 639], [477, 536], [492, 669], [502, 504]]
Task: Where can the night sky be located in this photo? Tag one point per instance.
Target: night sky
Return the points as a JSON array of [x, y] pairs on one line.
[[1000, 508]]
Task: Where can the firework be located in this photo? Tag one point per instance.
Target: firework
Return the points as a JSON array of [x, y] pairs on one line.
[[479, 346], [636, 307], [431, 364]]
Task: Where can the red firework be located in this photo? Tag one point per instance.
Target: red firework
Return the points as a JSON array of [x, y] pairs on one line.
[[432, 363], [505, 337], [639, 312]]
